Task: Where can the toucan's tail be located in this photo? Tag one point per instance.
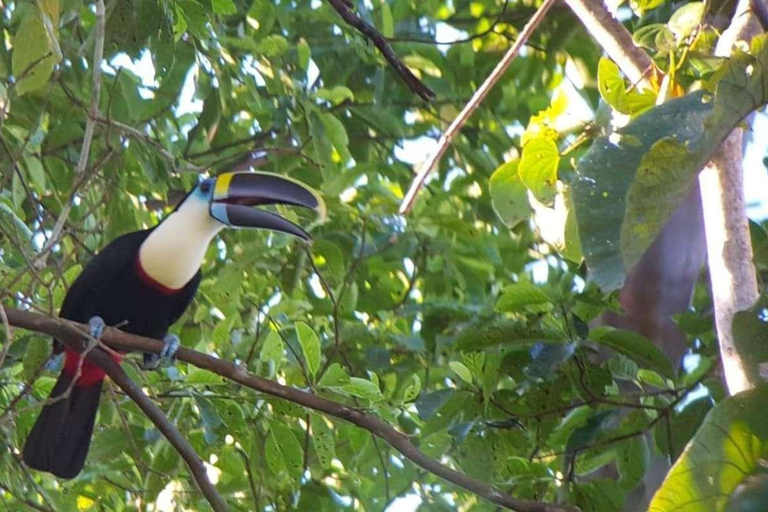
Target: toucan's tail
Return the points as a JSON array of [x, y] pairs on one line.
[[59, 440]]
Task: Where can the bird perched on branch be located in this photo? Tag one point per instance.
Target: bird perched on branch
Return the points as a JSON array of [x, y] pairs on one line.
[[143, 282]]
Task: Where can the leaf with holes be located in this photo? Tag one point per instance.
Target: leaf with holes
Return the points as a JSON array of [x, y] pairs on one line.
[[322, 440], [612, 193]]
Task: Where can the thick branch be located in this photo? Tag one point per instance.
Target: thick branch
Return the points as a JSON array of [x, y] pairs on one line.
[[386, 50], [453, 130], [614, 39], [61, 330], [168, 429], [729, 246]]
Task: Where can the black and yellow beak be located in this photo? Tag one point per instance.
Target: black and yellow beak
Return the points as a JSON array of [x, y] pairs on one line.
[[233, 195]]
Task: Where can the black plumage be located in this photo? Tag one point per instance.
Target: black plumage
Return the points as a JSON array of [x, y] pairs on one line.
[[113, 287]]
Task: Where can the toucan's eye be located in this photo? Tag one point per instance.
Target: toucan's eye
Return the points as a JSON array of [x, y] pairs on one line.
[[205, 187]]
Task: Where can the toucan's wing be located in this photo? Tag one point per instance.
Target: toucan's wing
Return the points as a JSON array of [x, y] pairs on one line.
[[114, 259]]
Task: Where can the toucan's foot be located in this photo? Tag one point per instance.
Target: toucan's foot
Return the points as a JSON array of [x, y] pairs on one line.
[[167, 355], [97, 325]]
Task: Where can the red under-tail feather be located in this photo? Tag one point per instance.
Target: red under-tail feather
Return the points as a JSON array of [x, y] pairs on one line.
[[59, 440]]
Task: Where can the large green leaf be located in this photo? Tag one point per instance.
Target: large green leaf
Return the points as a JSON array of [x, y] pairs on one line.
[[730, 447], [36, 48], [509, 194], [635, 346], [630, 182]]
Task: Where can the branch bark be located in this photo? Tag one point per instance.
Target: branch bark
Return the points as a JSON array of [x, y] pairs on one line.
[[729, 246], [455, 127], [63, 331], [614, 39], [168, 429], [373, 35]]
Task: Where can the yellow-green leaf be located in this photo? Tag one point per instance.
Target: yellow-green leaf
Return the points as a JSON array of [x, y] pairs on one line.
[[310, 346], [461, 370], [538, 168], [509, 195], [34, 53]]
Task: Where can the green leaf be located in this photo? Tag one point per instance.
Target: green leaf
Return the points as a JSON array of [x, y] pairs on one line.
[[461, 370], [611, 85], [334, 376], [387, 23], [750, 334], [683, 425], [413, 389], [519, 296], [272, 350], [337, 94], [509, 194], [476, 336], [273, 454], [198, 376], [35, 49], [363, 388], [612, 166], [337, 134], [7, 213], [286, 447], [647, 376], [538, 168], [304, 54], [17, 192], [273, 45], [225, 7], [641, 6], [632, 458], [634, 346], [726, 452], [38, 351], [655, 36], [322, 440], [310, 346], [686, 19], [661, 174], [35, 171]]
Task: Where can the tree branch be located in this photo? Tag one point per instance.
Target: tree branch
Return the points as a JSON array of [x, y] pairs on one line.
[[63, 331], [453, 130], [384, 47], [729, 246], [168, 429], [614, 39]]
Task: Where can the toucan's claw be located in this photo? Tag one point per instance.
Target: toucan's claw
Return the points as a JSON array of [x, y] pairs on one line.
[[167, 355], [97, 325]]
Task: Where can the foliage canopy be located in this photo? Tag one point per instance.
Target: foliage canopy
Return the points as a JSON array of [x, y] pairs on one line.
[[462, 326]]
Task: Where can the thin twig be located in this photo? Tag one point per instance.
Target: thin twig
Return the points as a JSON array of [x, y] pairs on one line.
[[453, 130], [29, 503], [467, 39], [82, 163], [384, 471], [384, 47], [8, 337]]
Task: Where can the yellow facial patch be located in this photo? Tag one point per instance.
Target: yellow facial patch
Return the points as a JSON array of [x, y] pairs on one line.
[[222, 185]]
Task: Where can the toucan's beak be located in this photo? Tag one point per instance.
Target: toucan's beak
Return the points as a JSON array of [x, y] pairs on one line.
[[236, 193]]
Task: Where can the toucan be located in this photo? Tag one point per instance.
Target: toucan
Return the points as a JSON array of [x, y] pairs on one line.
[[142, 282]]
